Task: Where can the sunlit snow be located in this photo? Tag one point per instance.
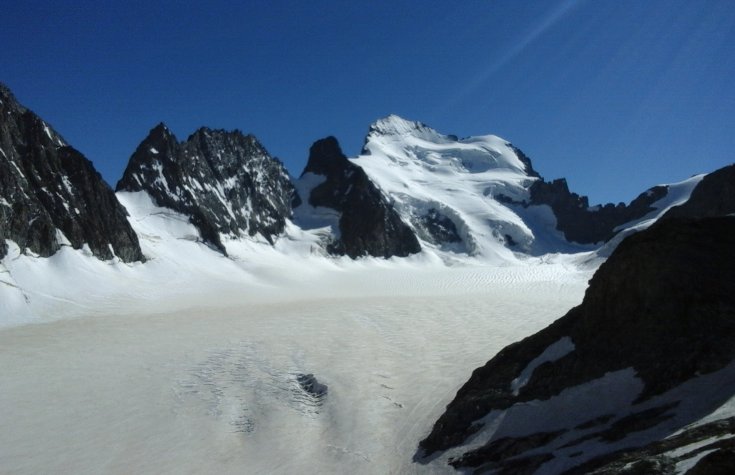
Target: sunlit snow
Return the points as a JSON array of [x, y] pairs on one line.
[[188, 363]]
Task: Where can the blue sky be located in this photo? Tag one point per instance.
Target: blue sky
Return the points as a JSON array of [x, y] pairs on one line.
[[615, 95]]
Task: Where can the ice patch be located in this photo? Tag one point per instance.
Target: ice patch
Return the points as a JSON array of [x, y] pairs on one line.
[[61, 238]]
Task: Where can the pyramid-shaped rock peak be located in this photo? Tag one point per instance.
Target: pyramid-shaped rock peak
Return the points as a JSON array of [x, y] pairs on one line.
[[368, 223], [225, 182]]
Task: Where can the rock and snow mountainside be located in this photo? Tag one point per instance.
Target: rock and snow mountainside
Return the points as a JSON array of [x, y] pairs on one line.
[[648, 353], [226, 183], [411, 189], [583, 224], [51, 195], [339, 194], [714, 195], [447, 188], [481, 195]]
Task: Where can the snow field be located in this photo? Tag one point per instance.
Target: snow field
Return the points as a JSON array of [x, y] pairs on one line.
[[211, 390], [188, 363]]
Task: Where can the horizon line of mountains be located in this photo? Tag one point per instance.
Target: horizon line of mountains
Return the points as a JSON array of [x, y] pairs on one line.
[[228, 185]]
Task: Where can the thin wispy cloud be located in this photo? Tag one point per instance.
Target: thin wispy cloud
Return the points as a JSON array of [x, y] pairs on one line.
[[516, 49]]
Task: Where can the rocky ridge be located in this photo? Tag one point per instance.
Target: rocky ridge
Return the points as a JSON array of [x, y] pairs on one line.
[[583, 224], [662, 304], [51, 195], [225, 182]]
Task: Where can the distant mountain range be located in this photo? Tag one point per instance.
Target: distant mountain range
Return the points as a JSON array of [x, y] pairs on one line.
[[412, 189]]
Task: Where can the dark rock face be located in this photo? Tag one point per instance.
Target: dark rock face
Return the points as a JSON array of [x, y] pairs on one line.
[[526, 161], [657, 458], [311, 385], [719, 462], [581, 224], [663, 304], [47, 185], [438, 227], [368, 224], [226, 182]]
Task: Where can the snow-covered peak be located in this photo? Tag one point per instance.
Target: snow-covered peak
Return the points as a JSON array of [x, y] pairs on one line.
[[399, 138], [396, 127], [453, 191]]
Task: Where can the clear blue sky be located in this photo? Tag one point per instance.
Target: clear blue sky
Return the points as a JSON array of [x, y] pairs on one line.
[[615, 95]]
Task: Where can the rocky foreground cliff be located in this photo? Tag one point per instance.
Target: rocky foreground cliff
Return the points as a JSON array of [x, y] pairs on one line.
[[648, 353]]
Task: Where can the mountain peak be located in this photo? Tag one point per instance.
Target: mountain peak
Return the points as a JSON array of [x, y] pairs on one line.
[[396, 125], [325, 157], [51, 195], [160, 130], [225, 182], [368, 223]]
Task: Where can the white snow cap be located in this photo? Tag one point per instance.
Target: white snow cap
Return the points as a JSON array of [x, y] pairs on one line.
[[398, 126], [421, 170]]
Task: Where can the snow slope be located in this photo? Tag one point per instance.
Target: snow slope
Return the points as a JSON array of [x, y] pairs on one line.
[[182, 271], [189, 363], [677, 194], [468, 181], [203, 379]]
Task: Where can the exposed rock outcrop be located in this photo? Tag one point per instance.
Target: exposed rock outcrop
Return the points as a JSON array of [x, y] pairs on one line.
[[368, 223], [51, 195], [663, 304], [225, 182], [311, 385], [585, 225]]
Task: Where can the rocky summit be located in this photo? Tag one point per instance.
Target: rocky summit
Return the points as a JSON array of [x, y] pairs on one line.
[[51, 195], [368, 224], [226, 183], [648, 352]]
